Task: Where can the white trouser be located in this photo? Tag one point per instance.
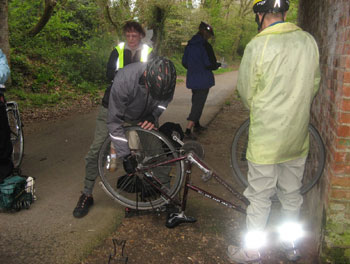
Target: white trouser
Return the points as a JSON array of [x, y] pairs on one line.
[[266, 180]]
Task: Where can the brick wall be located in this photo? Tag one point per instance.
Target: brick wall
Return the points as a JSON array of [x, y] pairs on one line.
[[329, 22]]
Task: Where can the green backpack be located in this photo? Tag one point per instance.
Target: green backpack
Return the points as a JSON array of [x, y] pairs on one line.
[[13, 193]]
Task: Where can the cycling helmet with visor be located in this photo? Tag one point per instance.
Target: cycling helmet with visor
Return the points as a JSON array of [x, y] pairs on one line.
[[269, 6], [161, 78]]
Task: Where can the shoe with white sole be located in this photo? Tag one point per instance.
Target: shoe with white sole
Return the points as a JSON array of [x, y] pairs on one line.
[[241, 256]]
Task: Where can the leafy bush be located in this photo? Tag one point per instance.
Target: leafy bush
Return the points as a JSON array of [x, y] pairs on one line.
[[87, 63], [177, 60]]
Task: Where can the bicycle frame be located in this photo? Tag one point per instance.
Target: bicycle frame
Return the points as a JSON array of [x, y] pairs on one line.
[[191, 158]]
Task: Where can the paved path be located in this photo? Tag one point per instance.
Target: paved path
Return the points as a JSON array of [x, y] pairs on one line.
[[54, 155], [180, 107]]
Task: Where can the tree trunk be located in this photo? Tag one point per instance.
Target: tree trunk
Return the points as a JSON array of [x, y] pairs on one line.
[[158, 28], [49, 6], [4, 30]]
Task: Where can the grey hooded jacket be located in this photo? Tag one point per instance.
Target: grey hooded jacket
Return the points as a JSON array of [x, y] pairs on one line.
[[130, 102]]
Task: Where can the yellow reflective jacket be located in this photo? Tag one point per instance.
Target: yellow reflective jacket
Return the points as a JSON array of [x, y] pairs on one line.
[[278, 78], [145, 51]]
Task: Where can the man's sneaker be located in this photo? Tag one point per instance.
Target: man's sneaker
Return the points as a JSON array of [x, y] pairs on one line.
[[239, 255], [190, 136], [291, 252], [199, 129], [83, 206], [113, 164]]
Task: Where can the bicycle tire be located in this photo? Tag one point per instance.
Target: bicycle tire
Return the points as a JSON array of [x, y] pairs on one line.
[[131, 191], [17, 138], [314, 166]]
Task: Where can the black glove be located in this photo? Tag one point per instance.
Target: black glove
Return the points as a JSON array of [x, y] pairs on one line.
[[150, 118], [129, 164], [218, 64]]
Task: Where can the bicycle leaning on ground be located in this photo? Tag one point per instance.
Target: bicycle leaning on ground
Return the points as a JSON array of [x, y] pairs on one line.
[[16, 130], [163, 169]]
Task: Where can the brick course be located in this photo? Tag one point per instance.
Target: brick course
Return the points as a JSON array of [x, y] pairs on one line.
[[341, 181], [329, 22]]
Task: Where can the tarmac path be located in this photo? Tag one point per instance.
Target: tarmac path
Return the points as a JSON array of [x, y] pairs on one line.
[[54, 155]]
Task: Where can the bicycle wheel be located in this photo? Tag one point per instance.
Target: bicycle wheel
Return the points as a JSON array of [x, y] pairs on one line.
[[314, 163], [17, 139], [134, 191]]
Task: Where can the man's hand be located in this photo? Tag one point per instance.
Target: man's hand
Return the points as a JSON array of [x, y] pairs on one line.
[[129, 164], [148, 124]]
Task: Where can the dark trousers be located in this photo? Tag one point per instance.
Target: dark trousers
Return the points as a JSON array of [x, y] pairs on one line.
[[199, 97], [6, 165]]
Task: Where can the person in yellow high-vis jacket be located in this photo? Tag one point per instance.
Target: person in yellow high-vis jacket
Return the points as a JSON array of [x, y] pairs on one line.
[[133, 50], [278, 79]]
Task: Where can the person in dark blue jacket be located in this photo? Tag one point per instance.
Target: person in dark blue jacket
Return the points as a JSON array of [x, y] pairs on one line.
[[6, 165], [199, 60]]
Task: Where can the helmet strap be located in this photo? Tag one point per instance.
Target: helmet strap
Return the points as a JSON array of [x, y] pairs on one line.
[[258, 22]]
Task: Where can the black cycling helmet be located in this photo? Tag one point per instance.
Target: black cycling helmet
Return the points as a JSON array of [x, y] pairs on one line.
[[206, 27], [270, 6], [161, 78]]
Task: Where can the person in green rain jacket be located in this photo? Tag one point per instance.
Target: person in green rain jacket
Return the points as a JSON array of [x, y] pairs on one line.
[[278, 78], [277, 81]]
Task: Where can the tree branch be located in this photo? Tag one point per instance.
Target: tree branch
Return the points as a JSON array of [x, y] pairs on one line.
[[49, 7], [110, 18]]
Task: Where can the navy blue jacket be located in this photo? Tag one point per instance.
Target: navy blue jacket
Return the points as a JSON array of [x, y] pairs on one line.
[[199, 60]]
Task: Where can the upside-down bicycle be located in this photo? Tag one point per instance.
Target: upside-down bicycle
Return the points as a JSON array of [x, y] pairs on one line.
[[163, 169]]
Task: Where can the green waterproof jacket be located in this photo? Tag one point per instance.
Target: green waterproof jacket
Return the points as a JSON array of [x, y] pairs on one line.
[[278, 78]]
